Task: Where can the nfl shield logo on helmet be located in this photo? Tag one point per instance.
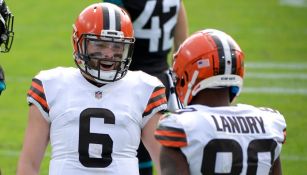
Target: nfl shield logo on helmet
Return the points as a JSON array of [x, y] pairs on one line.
[[98, 94]]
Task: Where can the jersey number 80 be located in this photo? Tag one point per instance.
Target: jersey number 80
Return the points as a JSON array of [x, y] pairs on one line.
[[231, 146]]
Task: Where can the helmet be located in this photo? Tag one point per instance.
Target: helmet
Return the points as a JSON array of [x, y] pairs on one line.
[[101, 24], [6, 27], [208, 59]]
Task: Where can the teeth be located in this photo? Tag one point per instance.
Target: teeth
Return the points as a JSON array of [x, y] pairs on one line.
[[107, 63]]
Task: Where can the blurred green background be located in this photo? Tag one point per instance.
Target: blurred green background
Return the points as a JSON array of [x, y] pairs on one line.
[[272, 33]]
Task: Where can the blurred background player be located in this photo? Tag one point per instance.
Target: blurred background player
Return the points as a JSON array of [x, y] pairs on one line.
[[6, 27], [6, 36], [2, 80], [160, 26], [209, 136], [93, 121]]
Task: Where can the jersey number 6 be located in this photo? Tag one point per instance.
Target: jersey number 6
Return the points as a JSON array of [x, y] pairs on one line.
[[86, 138]]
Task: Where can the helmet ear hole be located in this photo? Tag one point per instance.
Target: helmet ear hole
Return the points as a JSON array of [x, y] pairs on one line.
[[182, 82], [184, 79]]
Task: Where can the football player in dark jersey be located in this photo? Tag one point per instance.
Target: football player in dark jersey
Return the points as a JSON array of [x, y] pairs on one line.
[[2, 80], [6, 35], [159, 26]]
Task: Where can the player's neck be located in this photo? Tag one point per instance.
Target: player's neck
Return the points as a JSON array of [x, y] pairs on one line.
[[212, 97]]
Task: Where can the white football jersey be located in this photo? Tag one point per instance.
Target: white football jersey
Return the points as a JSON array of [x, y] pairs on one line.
[[238, 139], [95, 130]]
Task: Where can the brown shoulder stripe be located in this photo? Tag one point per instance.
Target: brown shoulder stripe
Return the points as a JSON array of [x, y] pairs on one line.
[[157, 98], [169, 136], [36, 92]]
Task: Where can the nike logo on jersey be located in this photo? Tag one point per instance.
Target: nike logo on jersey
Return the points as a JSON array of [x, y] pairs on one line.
[[239, 124]]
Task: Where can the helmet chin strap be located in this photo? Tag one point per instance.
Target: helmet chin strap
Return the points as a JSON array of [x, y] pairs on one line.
[[108, 75], [190, 85]]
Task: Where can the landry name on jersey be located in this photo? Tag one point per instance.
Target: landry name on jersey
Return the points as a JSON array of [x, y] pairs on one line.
[[239, 139], [95, 130]]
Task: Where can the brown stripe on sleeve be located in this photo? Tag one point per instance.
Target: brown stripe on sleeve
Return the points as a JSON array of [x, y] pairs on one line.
[[172, 137], [36, 92], [157, 98]]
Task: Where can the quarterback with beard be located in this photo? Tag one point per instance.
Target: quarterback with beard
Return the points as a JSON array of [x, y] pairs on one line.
[[95, 115]]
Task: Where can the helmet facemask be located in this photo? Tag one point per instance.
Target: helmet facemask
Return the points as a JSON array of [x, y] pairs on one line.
[[105, 58], [6, 28]]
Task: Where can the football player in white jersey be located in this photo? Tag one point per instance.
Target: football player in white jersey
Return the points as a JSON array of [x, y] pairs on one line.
[[95, 116], [211, 136]]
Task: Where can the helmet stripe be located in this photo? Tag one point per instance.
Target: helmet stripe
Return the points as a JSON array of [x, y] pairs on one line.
[[224, 54], [233, 57], [117, 21], [106, 18], [227, 55], [221, 55], [111, 19]]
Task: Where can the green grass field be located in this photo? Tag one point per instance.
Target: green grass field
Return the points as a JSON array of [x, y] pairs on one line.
[[273, 37]]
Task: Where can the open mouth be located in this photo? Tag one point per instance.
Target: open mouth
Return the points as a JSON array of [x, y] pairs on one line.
[[107, 65]]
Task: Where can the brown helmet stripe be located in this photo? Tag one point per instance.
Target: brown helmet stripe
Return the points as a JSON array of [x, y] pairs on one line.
[[117, 21], [111, 19], [233, 57], [221, 53], [106, 18]]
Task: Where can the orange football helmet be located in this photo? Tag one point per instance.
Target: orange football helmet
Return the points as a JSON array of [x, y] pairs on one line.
[[103, 23], [208, 59]]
